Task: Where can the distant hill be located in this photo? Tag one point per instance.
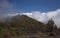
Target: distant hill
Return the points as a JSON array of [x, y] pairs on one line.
[[21, 25], [27, 23]]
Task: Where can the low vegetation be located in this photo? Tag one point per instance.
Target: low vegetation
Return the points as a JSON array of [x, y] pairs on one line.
[[19, 26]]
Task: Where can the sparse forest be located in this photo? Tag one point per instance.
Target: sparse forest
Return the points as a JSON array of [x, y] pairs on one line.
[[24, 25]]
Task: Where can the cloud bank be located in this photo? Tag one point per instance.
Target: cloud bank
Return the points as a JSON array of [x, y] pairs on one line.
[[45, 16]]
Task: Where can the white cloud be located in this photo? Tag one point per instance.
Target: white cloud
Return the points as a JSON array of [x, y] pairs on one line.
[[44, 17]]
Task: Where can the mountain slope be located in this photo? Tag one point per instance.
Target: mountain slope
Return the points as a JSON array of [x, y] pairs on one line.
[[26, 22], [22, 26]]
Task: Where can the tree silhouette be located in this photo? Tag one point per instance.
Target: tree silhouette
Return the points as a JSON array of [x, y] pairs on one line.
[[50, 25]]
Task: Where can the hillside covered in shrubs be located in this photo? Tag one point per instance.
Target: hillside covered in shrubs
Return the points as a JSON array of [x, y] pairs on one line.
[[22, 26]]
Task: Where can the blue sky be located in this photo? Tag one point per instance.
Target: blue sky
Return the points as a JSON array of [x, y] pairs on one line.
[[41, 10], [36, 5]]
